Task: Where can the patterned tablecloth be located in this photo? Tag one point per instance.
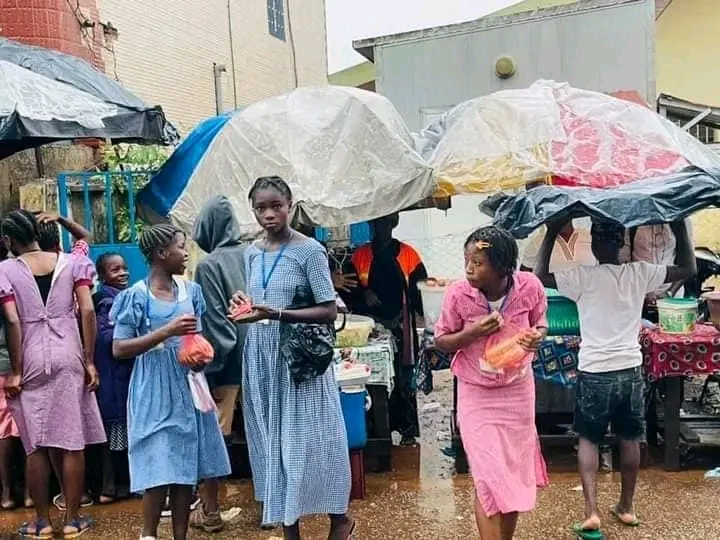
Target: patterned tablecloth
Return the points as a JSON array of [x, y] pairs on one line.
[[670, 355], [378, 354], [557, 361]]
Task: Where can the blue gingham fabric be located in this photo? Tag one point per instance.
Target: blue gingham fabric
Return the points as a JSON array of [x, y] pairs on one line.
[[296, 434]]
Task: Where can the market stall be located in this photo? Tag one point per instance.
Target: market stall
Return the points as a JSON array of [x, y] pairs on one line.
[[378, 354], [668, 360]]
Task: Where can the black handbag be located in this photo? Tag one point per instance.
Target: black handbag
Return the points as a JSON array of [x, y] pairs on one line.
[[307, 348]]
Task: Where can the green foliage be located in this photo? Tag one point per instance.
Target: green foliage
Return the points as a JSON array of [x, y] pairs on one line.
[[142, 161]]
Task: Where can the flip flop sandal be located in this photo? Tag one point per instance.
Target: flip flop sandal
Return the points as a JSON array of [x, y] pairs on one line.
[[81, 526], [37, 527], [616, 514], [587, 534]]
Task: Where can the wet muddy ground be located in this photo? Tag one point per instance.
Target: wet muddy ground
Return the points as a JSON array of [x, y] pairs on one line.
[[423, 499]]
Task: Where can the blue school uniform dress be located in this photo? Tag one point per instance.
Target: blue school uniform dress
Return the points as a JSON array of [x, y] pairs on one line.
[[169, 440], [296, 433]]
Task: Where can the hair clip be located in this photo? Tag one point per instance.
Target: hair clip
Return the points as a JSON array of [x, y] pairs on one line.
[[481, 244]]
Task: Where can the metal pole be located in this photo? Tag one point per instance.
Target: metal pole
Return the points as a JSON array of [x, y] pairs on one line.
[[232, 56]]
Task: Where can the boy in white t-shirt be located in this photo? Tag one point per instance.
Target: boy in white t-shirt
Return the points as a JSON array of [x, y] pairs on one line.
[[610, 385]]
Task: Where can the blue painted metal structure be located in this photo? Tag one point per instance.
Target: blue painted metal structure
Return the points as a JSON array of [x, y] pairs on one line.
[[88, 180], [359, 234]]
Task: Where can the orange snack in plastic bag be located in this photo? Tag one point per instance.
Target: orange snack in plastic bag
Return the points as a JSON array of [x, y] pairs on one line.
[[194, 348], [505, 351], [506, 354]]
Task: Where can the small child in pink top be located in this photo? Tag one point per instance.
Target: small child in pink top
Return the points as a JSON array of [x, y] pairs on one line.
[[496, 305]]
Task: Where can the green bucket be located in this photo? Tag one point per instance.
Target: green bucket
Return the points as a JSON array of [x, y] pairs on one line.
[[677, 315], [562, 315]]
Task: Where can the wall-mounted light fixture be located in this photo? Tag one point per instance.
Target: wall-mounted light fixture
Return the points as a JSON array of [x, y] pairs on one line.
[[505, 67]]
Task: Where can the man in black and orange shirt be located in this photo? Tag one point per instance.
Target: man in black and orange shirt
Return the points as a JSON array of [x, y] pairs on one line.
[[388, 272]]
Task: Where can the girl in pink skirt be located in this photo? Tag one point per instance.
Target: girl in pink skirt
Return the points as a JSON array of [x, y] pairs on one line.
[[493, 321]]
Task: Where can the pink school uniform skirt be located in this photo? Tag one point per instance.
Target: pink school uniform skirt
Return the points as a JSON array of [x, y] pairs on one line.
[[497, 426]]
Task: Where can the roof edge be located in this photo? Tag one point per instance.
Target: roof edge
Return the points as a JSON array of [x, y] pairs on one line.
[[366, 46]]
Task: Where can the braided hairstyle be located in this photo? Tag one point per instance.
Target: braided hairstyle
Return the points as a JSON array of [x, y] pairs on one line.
[[101, 262], [502, 251], [157, 237], [271, 182], [21, 227], [48, 236]]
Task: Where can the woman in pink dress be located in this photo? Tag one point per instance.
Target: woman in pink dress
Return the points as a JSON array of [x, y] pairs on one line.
[[53, 376], [496, 405]]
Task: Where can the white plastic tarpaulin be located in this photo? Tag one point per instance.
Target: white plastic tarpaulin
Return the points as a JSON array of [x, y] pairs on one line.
[[346, 154]]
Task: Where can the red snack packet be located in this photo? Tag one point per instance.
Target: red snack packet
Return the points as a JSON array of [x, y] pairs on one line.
[[240, 311], [194, 348]]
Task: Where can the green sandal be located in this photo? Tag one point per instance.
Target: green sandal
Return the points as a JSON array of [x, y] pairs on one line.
[[587, 534], [616, 514]]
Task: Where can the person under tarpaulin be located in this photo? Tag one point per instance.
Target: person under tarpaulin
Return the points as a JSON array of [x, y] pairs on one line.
[[654, 244], [573, 248], [610, 383], [388, 272]]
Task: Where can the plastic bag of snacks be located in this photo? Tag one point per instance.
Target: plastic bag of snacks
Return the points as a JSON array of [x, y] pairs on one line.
[[503, 350], [194, 349]]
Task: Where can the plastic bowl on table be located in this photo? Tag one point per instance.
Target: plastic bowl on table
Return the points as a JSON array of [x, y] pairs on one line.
[[356, 332]]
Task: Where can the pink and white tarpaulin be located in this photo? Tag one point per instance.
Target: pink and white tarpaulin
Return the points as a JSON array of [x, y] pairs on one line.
[[557, 134]]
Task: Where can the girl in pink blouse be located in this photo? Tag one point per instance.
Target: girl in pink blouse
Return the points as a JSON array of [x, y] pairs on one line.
[[493, 321]]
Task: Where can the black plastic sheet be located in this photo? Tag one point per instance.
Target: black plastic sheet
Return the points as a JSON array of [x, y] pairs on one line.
[[135, 121], [646, 202]]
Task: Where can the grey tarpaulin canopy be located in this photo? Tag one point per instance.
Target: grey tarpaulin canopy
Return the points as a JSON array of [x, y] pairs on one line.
[[48, 96], [651, 201]]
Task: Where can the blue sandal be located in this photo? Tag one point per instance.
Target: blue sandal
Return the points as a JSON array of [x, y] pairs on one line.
[[38, 529], [81, 526]]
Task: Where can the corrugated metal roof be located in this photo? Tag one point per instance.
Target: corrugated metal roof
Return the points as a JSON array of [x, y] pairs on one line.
[[523, 12]]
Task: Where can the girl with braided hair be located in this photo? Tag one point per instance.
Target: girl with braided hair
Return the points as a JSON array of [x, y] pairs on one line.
[[493, 305], [171, 444], [298, 452], [53, 375]]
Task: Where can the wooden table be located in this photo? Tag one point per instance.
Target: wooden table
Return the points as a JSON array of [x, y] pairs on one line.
[[668, 359]]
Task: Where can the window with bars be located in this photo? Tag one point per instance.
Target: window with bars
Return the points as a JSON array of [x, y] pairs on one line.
[[702, 132], [276, 18]]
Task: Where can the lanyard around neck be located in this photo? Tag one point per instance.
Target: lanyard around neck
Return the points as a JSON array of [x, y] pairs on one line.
[[266, 276]]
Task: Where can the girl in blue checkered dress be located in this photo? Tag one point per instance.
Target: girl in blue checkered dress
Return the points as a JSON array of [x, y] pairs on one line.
[[296, 433]]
